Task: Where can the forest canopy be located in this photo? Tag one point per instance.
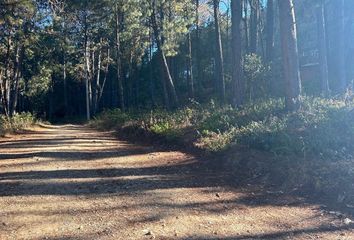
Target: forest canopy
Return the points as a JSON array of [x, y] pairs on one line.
[[63, 59]]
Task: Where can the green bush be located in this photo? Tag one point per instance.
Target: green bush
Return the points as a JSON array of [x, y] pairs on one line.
[[257, 76], [17, 122], [110, 119], [323, 127]]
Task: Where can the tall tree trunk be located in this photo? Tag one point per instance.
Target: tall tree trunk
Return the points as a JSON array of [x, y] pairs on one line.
[[190, 66], [163, 81], [290, 54], [321, 37], [219, 62], [197, 47], [51, 97], [106, 69], [166, 75], [129, 83], [2, 109], [168, 78], [91, 72], [1, 90], [16, 78], [136, 80], [245, 25], [237, 73], [341, 47], [118, 62], [5, 94], [98, 76], [254, 25], [65, 86], [65, 90], [151, 78], [87, 69], [270, 31]]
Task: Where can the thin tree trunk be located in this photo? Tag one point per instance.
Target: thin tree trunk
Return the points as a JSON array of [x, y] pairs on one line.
[[197, 47], [237, 73], [1, 90], [65, 90], [118, 62], [290, 54], [65, 86], [106, 69], [92, 77], [341, 47], [228, 29], [51, 97], [17, 72], [245, 24], [166, 75], [93, 59], [321, 37], [159, 42], [87, 69], [98, 84], [219, 62], [7, 93], [190, 66], [163, 81], [254, 25], [151, 78], [171, 66], [129, 83], [270, 31], [5, 96], [135, 78]]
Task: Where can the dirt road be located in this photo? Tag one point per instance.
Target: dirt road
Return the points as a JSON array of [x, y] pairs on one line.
[[70, 182]]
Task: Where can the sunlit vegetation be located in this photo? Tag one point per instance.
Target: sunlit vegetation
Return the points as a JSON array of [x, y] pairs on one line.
[[321, 128], [311, 147], [19, 121]]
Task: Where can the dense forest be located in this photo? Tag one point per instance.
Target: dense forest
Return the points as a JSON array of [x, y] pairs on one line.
[[64, 59], [176, 119]]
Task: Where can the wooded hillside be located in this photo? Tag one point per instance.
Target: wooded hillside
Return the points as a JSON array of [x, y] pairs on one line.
[[176, 119], [64, 59]]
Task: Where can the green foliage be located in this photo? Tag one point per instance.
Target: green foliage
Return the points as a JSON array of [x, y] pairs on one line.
[[110, 119], [257, 76], [18, 122], [39, 84], [179, 16], [312, 147], [322, 127], [5, 125], [224, 118], [170, 125]]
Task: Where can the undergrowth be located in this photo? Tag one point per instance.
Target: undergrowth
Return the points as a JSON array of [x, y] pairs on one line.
[[17, 122], [312, 146], [321, 127]]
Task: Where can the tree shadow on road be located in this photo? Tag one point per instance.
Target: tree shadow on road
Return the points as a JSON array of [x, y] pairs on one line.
[[196, 172]]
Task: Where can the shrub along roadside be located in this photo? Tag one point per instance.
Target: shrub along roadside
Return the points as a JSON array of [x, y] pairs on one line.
[[16, 123], [311, 147], [322, 128]]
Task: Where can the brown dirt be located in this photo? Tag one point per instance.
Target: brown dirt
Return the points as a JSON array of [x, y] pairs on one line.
[[71, 182]]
